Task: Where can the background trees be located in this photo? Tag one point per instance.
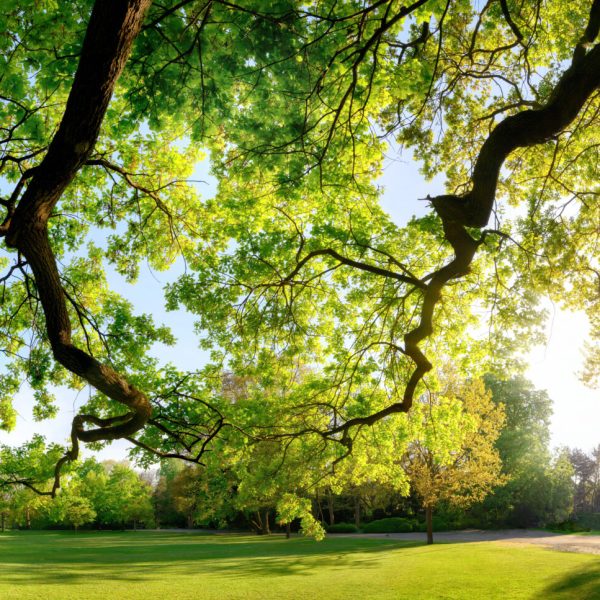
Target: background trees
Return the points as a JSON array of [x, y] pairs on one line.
[[586, 472], [445, 457]]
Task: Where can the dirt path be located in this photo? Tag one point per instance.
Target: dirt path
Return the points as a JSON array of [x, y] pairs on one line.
[[567, 543]]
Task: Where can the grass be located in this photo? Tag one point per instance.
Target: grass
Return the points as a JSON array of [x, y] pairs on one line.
[[175, 566]]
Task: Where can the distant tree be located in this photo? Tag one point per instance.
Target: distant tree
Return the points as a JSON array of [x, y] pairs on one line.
[[69, 508], [530, 495], [163, 499], [586, 475], [453, 457], [526, 433], [116, 494], [5, 507], [186, 492], [127, 497], [559, 493], [76, 511]]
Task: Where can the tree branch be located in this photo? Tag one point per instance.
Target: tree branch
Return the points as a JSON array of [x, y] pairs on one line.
[[112, 28]]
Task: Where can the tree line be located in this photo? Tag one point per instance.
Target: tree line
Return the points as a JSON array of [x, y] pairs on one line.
[[482, 462]]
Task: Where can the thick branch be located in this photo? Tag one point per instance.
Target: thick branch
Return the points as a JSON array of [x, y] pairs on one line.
[[527, 128], [357, 265], [111, 31]]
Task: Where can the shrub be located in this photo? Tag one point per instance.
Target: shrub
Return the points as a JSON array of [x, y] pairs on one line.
[[438, 524], [568, 527], [589, 520], [390, 525], [341, 528]]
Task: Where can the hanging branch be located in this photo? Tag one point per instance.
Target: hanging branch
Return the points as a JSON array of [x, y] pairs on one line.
[[112, 28]]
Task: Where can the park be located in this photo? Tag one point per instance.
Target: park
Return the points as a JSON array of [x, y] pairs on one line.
[[141, 565], [299, 299]]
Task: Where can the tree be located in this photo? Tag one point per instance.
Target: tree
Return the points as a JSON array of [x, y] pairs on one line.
[[294, 261], [125, 498], [163, 497], [454, 458], [185, 493], [586, 475], [76, 511], [536, 490]]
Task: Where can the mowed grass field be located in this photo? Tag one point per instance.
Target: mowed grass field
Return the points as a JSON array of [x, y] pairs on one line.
[[174, 566]]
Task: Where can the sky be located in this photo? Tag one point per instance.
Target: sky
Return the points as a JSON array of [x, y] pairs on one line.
[[553, 365]]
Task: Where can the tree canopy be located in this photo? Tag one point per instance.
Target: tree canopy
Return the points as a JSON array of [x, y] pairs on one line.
[[453, 458], [325, 313]]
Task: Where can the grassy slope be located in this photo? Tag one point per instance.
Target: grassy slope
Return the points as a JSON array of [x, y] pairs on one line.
[[146, 565]]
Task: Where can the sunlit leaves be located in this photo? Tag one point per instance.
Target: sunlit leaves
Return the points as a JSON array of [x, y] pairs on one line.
[[300, 284]]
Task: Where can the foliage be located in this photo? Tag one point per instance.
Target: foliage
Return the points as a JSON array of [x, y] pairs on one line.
[[390, 525], [453, 458], [586, 472], [292, 507], [105, 494], [342, 528], [72, 510], [590, 521], [537, 489], [568, 527], [303, 289]]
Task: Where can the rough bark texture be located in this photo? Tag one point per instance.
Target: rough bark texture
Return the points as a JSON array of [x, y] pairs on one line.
[[111, 31]]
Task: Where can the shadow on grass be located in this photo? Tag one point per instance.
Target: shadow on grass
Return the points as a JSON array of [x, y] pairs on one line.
[[60, 558], [583, 584]]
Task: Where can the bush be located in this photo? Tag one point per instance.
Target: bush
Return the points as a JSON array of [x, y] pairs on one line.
[[341, 528], [390, 525], [568, 527], [589, 520]]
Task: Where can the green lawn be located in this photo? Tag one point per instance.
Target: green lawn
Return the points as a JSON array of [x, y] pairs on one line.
[[173, 566]]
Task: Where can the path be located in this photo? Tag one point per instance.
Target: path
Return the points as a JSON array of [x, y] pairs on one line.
[[568, 543]]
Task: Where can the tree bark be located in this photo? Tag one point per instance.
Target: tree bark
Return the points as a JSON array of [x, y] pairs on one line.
[[429, 523], [112, 28], [330, 508], [357, 511]]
